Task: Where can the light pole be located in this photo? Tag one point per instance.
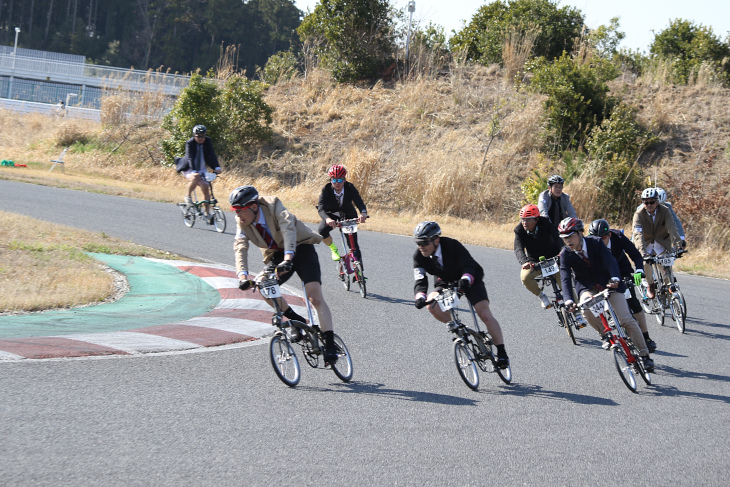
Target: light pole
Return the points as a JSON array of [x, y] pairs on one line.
[[411, 9], [15, 49]]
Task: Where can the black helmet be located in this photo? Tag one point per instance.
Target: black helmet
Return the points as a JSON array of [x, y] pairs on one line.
[[426, 231], [555, 179], [199, 130], [569, 226], [599, 228], [243, 196]]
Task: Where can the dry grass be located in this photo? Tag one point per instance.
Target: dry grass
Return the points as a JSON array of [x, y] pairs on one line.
[[44, 265]]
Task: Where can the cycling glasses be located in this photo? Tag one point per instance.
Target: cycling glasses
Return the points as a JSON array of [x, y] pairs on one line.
[[236, 208], [650, 202], [423, 243], [338, 180]]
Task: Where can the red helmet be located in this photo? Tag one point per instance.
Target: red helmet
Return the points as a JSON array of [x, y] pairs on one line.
[[337, 171], [569, 226], [529, 211]]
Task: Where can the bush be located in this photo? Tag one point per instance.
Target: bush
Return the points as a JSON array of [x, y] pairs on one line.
[[236, 116], [485, 34], [282, 66], [358, 39], [619, 136], [577, 97]]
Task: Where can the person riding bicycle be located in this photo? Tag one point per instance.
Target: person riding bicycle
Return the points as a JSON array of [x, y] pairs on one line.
[[662, 197], [553, 203], [449, 261], [337, 201], [591, 264], [199, 153], [285, 242], [622, 249], [654, 233]]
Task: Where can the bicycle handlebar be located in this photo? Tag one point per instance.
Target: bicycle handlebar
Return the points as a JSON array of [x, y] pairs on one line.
[[453, 286]]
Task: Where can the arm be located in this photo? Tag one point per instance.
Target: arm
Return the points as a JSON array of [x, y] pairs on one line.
[[357, 200], [543, 204], [569, 206], [420, 287], [638, 235], [323, 202], [677, 221], [240, 250], [566, 278], [210, 158], [191, 150], [519, 248], [672, 228], [287, 227], [630, 249]]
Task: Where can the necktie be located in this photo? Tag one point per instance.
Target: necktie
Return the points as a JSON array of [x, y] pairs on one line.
[[584, 256], [267, 237]]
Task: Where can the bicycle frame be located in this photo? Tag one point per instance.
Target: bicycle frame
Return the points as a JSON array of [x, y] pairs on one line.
[[601, 307], [348, 227]]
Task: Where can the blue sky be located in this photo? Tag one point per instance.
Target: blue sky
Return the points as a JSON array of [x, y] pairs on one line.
[[637, 17]]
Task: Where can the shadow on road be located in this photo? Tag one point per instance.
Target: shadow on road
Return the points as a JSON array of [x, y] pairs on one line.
[[531, 390], [378, 389]]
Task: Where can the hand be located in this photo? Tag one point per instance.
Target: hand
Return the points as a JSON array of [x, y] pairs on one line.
[[613, 283], [684, 244], [464, 284], [331, 222], [362, 218], [245, 284], [420, 303], [638, 276], [284, 267], [527, 265]]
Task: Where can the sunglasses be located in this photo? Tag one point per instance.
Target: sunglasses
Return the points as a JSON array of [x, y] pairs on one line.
[[423, 243], [338, 180], [200, 136], [650, 202], [237, 208]]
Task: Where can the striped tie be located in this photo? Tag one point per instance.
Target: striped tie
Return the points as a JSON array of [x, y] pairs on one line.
[[267, 237]]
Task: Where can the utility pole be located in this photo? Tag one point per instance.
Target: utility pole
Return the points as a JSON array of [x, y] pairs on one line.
[[411, 9]]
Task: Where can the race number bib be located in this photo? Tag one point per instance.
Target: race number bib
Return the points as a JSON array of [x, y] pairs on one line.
[[549, 267], [598, 308], [665, 261], [349, 227], [270, 289], [448, 300]]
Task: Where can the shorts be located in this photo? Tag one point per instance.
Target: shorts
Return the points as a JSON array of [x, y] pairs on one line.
[[477, 293], [306, 264]]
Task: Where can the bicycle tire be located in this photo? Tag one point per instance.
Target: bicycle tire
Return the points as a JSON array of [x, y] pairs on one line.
[[343, 367], [569, 324], [311, 353], [504, 374], [361, 280], [465, 365], [638, 364], [678, 310], [284, 360], [624, 369], [219, 220], [188, 215]]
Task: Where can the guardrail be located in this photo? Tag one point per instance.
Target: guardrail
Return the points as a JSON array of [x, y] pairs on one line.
[[48, 109]]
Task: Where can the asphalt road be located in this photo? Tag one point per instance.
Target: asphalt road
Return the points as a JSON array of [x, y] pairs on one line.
[[222, 417]]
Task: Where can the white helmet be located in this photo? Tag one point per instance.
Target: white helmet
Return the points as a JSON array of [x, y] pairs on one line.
[[649, 193], [661, 195]]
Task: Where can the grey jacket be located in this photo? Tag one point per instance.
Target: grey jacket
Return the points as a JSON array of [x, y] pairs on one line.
[[545, 202]]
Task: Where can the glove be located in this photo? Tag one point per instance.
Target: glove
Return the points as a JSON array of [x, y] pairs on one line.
[[245, 284], [638, 276], [684, 244], [284, 267], [420, 303], [464, 284]]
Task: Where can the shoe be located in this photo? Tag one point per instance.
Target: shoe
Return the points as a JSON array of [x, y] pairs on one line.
[[210, 218], [188, 200], [330, 350], [651, 345], [648, 364], [605, 342], [580, 322], [502, 360], [335, 255], [651, 291], [545, 301], [452, 326], [296, 335]]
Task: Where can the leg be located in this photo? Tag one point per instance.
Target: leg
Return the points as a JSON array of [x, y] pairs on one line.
[[205, 187], [595, 322], [527, 276], [621, 308], [324, 230], [194, 179], [314, 293], [482, 309]]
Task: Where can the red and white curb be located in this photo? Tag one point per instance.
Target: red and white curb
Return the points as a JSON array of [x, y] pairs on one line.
[[238, 317]]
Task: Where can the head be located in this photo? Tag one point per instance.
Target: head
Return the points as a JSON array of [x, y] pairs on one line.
[[244, 201], [427, 235], [337, 175], [600, 228], [199, 132], [661, 194], [571, 231], [555, 185], [650, 198], [528, 217]]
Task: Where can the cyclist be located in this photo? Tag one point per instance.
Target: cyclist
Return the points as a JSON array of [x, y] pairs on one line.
[[285, 241], [654, 232], [663, 201], [553, 203], [448, 260], [594, 269], [336, 203], [622, 249], [199, 153]]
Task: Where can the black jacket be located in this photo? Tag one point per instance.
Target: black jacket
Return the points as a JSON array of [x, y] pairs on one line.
[[457, 262], [620, 246], [328, 206], [191, 156], [602, 268], [544, 242]]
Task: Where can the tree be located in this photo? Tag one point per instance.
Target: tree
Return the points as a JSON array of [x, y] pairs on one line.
[[689, 46], [484, 36], [358, 39]]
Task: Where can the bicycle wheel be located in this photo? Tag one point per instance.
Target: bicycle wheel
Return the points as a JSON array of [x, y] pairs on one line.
[[624, 369], [569, 321], [219, 220], [284, 361], [361, 280], [188, 214], [679, 313], [504, 374], [343, 367], [465, 365]]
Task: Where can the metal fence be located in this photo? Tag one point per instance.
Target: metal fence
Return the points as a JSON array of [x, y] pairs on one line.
[[46, 55], [47, 92], [21, 106]]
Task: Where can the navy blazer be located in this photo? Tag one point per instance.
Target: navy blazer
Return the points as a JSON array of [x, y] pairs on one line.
[[603, 267], [620, 247], [328, 206], [191, 156], [457, 262]]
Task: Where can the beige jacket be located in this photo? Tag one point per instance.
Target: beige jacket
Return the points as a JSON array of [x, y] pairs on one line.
[[286, 230], [661, 229]]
